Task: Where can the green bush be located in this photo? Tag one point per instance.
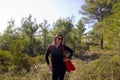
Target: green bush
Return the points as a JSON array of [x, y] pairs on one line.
[[115, 67], [5, 60], [14, 62], [20, 62], [107, 67], [40, 58]]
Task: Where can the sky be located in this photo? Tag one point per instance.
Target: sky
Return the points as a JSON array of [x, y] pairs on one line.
[[51, 10]]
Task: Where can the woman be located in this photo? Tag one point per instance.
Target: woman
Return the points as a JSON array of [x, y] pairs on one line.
[[58, 59]]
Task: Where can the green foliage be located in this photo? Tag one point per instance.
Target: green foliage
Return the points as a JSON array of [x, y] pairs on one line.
[[44, 29], [105, 68], [111, 29], [16, 44], [30, 28], [115, 61], [5, 57], [20, 62], [15, 62], [76, 37], [63, 26], [98, 9]]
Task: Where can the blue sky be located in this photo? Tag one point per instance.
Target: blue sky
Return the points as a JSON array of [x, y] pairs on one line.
[[50, 10]]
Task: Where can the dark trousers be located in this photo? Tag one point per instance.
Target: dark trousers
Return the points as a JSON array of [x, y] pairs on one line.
[[58, 73]]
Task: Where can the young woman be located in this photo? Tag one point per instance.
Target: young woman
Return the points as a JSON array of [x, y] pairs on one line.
[[57, 65]]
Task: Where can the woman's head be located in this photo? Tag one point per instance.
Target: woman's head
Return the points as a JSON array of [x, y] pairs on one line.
[[58, 39]]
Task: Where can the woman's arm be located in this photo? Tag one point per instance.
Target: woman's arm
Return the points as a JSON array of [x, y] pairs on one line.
[[69, 50], [47, 56]]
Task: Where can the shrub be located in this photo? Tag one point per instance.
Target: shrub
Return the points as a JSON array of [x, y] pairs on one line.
[[115, 67], [5, 61], [20, 62], [107, 67]]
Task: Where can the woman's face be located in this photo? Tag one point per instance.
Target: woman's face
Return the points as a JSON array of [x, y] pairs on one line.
[[59, 40]]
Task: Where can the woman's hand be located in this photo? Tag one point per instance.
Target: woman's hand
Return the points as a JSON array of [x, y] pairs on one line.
[[50, 67], [66, 59]]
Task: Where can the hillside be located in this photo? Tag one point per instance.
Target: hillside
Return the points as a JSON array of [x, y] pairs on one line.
[[89, 66]]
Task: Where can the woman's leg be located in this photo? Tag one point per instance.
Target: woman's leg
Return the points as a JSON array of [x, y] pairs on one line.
[[55, 74], [62, 75]]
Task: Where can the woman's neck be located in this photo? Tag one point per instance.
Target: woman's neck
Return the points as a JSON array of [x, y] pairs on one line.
[[57, 45]]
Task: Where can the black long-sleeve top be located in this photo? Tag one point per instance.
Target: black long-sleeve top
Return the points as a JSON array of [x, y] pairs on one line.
[[57, 54]]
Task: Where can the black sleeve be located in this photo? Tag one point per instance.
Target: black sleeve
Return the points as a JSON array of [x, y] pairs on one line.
[[69, 50], [47, 56]]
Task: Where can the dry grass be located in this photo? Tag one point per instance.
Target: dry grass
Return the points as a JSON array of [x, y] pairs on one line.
[[104, 67]]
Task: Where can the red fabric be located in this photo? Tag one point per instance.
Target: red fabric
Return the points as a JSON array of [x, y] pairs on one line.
[[51, 46], [69, 66]]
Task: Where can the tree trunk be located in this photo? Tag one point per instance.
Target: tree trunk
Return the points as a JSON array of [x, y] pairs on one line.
[[101, 45]]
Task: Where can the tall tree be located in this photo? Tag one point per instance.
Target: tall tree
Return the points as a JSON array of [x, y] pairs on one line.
[[44, 30], [77, 35], [8, 36], [112, 28], [80, 32], [30, 27], [98, 10], [64, 27]]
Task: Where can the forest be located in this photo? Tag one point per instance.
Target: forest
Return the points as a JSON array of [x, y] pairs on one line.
[[96, 52]]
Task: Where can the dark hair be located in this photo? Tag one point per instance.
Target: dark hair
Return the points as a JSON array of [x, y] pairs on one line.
[[57, 37]]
